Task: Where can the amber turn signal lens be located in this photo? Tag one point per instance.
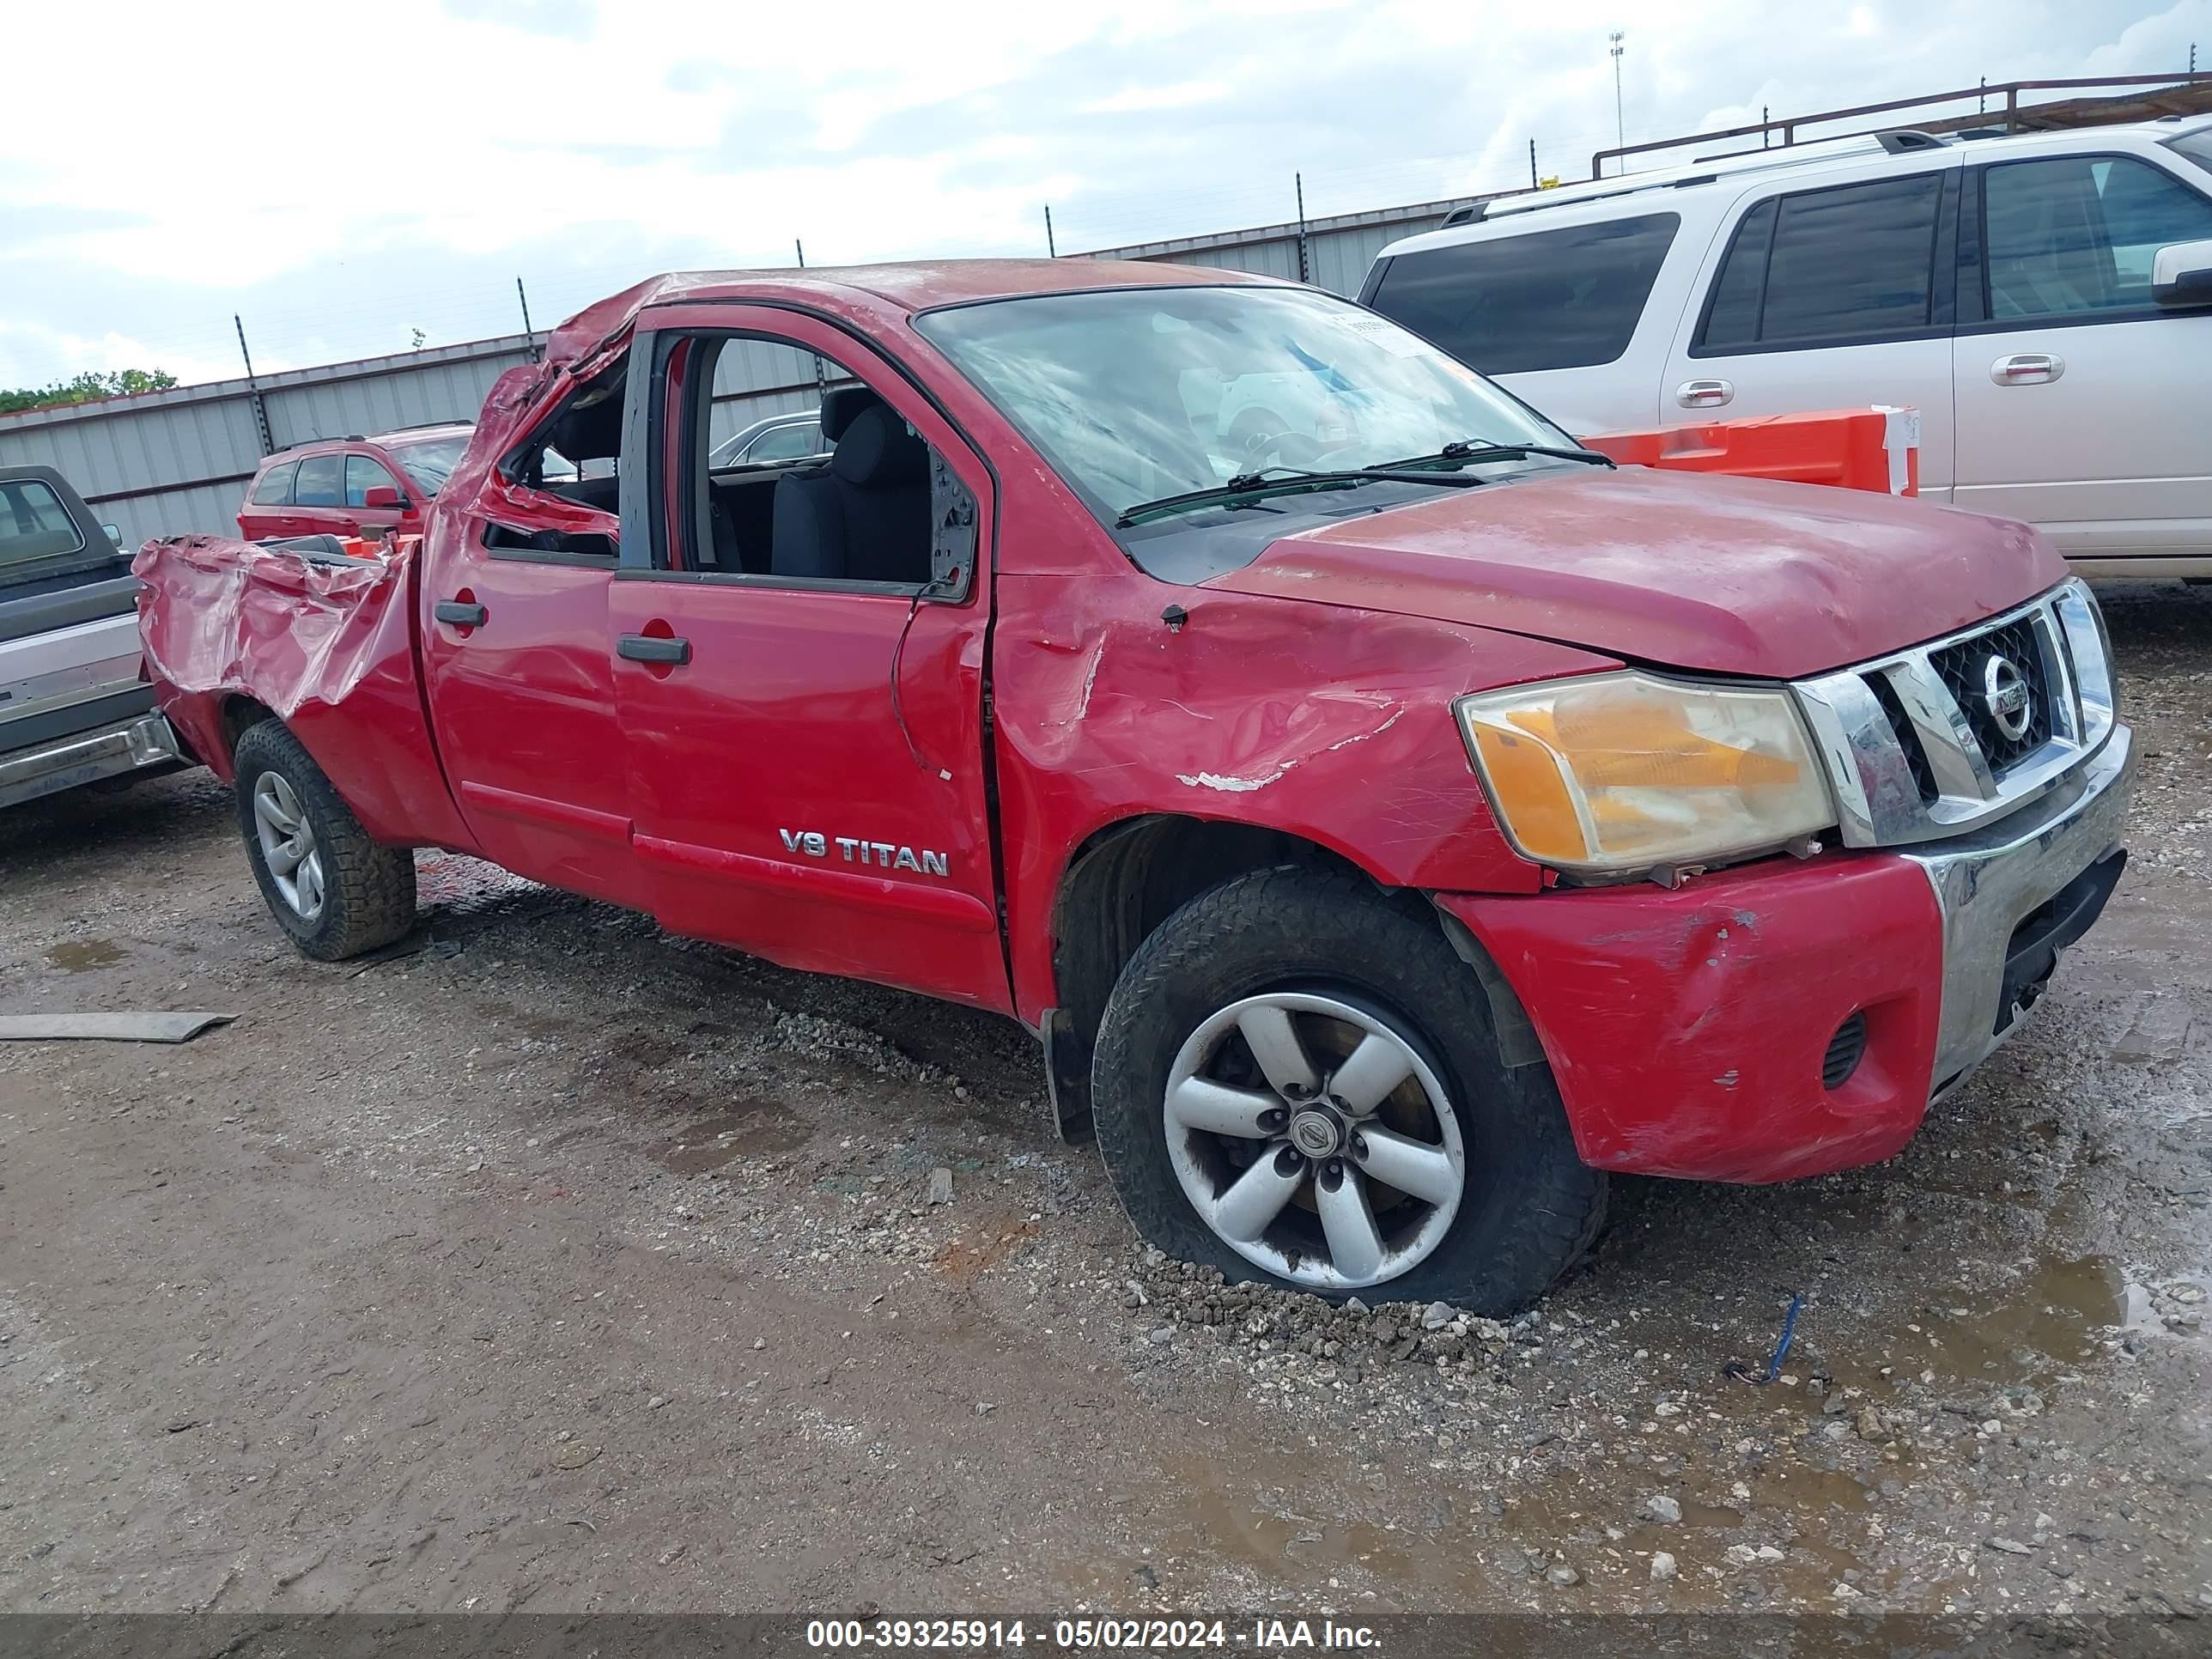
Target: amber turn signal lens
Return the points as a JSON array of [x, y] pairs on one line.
[[1624, 771]]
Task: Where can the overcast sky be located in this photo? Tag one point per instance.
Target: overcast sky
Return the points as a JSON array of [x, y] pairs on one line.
[[342, 175]]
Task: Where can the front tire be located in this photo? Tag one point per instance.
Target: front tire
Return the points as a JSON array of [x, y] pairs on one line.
[[333, 890], [1297, 1082]]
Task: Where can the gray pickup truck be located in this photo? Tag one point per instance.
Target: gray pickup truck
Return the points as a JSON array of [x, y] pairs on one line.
[[73, 707]]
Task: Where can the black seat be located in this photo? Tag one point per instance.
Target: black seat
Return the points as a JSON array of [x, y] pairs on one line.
[[863, 516]]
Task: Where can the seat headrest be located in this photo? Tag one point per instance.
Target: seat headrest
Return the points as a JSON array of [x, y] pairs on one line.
[[839, 407], [877, 451]]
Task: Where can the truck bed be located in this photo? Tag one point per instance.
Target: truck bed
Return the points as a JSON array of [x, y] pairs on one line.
[[326, 643]]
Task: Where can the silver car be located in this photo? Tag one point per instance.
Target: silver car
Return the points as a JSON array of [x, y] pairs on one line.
[[778, 438]]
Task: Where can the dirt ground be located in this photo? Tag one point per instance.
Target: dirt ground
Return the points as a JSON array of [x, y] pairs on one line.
[[561, 1265]]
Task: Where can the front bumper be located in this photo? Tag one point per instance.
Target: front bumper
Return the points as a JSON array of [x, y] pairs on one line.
[[145, 744], [1990, 885], [1687, 1030]]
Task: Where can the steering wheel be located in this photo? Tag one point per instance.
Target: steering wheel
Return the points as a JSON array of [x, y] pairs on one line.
[[1261, 438]]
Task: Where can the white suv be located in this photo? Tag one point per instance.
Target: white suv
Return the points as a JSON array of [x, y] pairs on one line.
[[2044, 301]]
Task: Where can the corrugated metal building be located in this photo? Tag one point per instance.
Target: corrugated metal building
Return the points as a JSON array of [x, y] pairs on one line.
[[169, 462], [1337, 252]]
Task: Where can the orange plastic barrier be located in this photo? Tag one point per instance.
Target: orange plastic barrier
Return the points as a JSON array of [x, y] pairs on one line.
[[375, 547], [1876, 449]]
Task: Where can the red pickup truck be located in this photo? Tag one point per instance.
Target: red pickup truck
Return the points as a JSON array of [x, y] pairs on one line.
[[1390, 824]]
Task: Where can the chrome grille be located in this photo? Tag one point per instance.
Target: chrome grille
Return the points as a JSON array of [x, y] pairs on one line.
[[1963, 666], [1960, 731]]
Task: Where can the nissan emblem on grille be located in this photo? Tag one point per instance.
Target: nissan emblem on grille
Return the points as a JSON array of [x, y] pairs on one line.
[[2004, 693]]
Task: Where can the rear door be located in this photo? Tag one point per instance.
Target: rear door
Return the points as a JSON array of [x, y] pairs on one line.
[[2082, 406], [521, 691], [804, 720], [1833, 297], [318, 496], [268, 507]]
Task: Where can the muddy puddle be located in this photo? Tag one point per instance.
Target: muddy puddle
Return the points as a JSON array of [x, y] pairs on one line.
[[2049, 1324], [749, 1128], [82, 955]]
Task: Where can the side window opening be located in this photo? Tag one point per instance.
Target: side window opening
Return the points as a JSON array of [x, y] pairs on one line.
[[1547, 299], [2076, 234], [1732, 316], [1845, 265], [363, 474], [275, 488], [321, 481], [33, 523], [849, 493], [574, 454]]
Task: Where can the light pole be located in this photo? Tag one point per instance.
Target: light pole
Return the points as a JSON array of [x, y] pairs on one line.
[[1620, 129]]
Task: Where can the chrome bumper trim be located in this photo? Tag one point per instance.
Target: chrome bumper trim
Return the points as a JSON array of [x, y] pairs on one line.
[[86, 758], [1987, 882]]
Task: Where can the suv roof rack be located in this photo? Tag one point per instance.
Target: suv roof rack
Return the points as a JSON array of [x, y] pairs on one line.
[[1704, 170], [2183, 93]]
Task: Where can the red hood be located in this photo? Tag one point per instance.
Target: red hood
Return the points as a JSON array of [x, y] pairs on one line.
[[1730, 576]]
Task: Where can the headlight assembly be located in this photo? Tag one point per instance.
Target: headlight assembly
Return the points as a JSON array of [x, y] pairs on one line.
[[1624, 772]]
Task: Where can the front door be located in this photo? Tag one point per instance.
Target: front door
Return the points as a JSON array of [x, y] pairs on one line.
[[2081, 405], [804, 718], [521, 691], [1835, 298]]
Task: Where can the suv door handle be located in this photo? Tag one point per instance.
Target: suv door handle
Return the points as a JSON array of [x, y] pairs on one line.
[[459, 614], [2028, 368], [649, 647], [1704, 394]]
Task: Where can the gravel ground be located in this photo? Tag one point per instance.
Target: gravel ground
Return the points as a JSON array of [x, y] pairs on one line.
[[559, 1264]]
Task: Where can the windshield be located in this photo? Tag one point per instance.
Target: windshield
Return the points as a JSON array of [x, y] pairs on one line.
[[430, 464], [1140, 394]]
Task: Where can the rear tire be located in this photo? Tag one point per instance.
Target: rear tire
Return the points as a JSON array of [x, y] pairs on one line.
[[1508, 1205], [333, 890]]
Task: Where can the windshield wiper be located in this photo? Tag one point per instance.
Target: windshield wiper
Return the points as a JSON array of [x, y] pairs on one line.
[[1248, 487], [1481, 449]]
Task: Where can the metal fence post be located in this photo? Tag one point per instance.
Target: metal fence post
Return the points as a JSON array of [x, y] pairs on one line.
[[529, 333], [253, 392]]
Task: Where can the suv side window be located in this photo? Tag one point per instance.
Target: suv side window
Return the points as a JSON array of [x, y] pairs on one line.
[[2076, 234], [320, 483], [361, 476], [1847, 265], [1551, 299], [275, 488]]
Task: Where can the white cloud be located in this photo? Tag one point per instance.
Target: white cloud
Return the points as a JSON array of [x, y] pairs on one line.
[[341, 173], [30, 355], [1184, 93]]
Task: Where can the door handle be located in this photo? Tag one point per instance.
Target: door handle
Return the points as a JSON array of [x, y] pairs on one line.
[[2028, 368], [647, 647], [459, 614], [1704, 394]]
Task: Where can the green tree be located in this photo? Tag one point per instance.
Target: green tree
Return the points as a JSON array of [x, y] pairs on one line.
[[89, 387]]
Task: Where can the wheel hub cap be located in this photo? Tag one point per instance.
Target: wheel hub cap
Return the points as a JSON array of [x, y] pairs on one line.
[[1318, 1132], [1311, 1135], [288, 845]]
